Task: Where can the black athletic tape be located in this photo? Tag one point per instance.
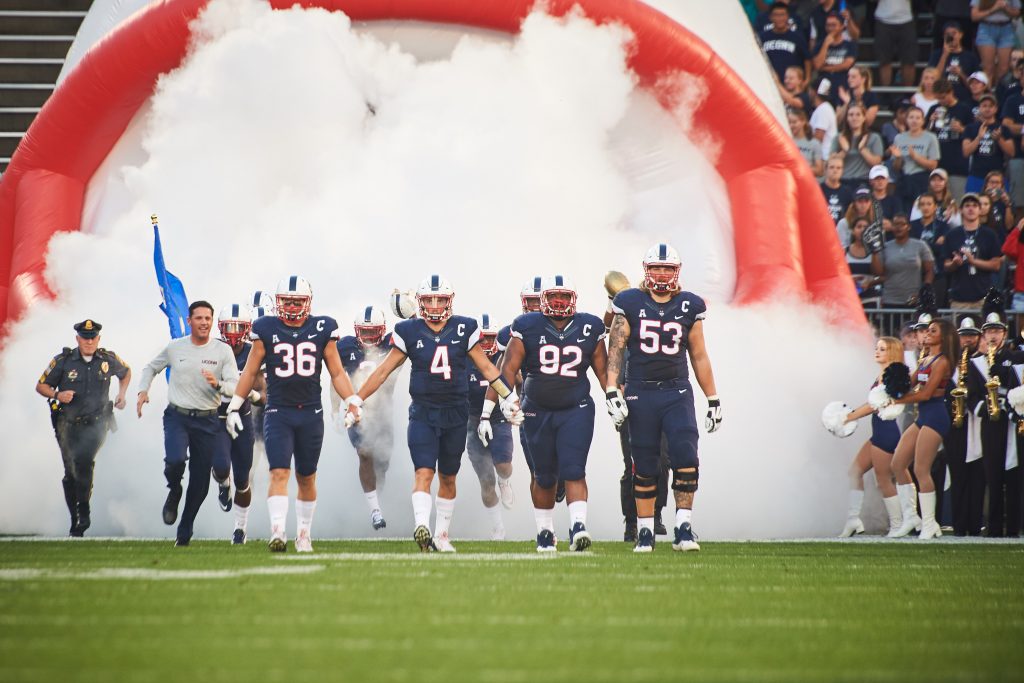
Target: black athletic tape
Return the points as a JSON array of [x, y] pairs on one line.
[[685, 481]]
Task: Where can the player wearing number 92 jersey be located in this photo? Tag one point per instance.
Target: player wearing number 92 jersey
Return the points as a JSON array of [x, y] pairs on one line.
[[660, 325]]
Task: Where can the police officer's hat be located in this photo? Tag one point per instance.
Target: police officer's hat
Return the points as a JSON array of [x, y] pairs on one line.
[[967, 326], [88, 329], [992, 309]]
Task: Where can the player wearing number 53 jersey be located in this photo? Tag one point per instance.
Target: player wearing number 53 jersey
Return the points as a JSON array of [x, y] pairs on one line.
[[661, 325], [440, 345], [294, 345], [554, 348]]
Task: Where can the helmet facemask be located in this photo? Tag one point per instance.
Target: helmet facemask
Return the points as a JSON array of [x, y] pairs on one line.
[[370, 335], [234, 332], [531, 302], [435, 308], [662, 278], [293, 307], [489, 342], [558, 303]]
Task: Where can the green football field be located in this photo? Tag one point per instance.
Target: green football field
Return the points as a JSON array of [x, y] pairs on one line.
[[380, 611]]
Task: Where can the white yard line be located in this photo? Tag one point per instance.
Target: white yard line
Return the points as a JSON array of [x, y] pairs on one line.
[[143, 574]]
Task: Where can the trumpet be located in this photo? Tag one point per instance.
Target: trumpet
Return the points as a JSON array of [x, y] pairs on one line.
[[992, 387], [959, 394]]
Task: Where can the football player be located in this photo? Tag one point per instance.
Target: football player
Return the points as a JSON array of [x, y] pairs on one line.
[[360, 354], [257, 409], [661, 325], [555, 347], [235, 325], [529, 297], [295, 345], [439, 344], [489, 440]]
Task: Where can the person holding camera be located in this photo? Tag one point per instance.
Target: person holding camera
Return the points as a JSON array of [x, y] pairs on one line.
[[973, 256], [953, 60], [986, 144]]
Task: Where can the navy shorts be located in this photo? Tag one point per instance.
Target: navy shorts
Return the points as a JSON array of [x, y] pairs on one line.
[[657, 408], [196, 437], [289, 431], [437, 437], [932, 413], [885, 434], [559, 441], [498, 451]]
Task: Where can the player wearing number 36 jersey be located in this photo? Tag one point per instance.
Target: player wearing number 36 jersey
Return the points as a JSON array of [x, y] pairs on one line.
[[440, 346], [294, 345], [661, 325]]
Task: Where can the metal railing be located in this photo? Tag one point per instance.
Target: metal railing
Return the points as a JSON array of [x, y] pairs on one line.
[[888, 322]]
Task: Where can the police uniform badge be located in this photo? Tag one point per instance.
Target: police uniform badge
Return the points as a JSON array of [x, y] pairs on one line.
[[72, 375], [104, 367]]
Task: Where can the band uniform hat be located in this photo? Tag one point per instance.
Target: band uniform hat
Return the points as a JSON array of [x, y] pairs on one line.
[[968, 326], [88, 329]]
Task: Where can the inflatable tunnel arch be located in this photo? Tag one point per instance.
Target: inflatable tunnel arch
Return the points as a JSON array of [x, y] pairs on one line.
[[784, 239]]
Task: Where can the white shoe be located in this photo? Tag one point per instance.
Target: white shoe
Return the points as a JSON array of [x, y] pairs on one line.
[[303, 544], [508, 496], [377, 520], [498, 533], [443, 543], [853, 526], [909, 524], [930, 530]]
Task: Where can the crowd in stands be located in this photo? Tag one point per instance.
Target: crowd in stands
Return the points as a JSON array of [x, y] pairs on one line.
[[910, 112]]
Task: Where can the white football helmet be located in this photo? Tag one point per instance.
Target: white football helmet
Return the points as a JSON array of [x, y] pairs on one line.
[[662, 255], [557, 297], [488, 335], [434, 297], [262, 299], [234, 323], [294, 299], [370, 326], [529, 295], [257, 313]]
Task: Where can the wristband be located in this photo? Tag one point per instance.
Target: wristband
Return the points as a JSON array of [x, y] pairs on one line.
[[485, 414], [354, 400], [236, 403], [501, 387]]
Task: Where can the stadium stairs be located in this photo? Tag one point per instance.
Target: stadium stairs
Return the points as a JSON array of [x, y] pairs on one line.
[[892, 94]]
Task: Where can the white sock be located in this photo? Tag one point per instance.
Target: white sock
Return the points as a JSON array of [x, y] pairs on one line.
[[855, 499], [277, 506], [545, 519], [371, 500], [445, 510], [421, 505], [683, 515], [495, 514], [241, 516], [578, 513], [304, 515], [645, 523]]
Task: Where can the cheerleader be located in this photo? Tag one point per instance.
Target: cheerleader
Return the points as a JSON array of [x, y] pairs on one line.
[[920, 442], [877, 451]]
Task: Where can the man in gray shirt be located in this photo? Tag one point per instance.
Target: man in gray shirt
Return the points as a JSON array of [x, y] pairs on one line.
[[904, 263], [203, 370]]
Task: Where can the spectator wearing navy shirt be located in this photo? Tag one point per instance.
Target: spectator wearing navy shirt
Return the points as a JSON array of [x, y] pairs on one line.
[[948, 119], [932, 230], [977, 83], [1013, 122], [878, 181], [836, 53], [837, 196], [953, 60], [986, 144], [973, 255], [784, 46], [1001, 214], [765, 20], [858, 91], [793, 90]]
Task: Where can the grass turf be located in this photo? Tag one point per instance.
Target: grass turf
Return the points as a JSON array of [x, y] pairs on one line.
[[379, 611]]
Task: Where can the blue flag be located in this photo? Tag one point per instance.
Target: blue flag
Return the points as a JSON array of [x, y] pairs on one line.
[[175, 303]]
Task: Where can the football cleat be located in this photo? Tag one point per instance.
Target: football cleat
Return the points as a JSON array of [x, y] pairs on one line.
[[443, 544], [659, 527], [579, 537], [498, 533], [546, 542], [181, 541], [277, 543], [171, 505], [423, 539], [508, 496], [685, 539], [644, 541], [238, 537], [377, 520], [303, 544], [224, 496]]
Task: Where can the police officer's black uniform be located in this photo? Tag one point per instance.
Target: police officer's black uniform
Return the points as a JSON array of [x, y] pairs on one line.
[[81, 425]]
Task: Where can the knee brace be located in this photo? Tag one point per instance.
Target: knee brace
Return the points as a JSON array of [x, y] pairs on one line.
[[644, 487], [684, 480]]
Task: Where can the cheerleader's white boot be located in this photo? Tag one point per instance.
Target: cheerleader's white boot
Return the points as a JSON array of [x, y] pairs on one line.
[[929, 527], [892, 507], [908, 502], [853, 523]]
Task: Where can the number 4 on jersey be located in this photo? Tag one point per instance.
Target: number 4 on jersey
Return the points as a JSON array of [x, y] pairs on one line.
[[439, 365]]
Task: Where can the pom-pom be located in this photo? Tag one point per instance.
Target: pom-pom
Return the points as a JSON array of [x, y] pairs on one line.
[[834, 419], [878, 397], [891, 411], [896, 379], [1015, 397]]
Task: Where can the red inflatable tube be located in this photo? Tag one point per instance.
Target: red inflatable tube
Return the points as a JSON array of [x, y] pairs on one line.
[[785, 239]]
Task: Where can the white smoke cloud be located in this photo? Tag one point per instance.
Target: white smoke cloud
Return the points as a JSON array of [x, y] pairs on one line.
[[263, 158]]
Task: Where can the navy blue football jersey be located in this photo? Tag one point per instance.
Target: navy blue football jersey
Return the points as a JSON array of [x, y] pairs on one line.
[[556, 362], [504, 336], [658, 333], [294, 358], [355, 357], [240, 361], [478, 389], [440, 360]]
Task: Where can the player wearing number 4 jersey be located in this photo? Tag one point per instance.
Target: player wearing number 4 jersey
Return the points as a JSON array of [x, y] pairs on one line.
[[661, 324], [439, 345], [294, 345], [555, 347]]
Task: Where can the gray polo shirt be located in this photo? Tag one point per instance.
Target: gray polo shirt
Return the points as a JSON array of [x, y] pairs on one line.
[[187, 387], [903, 269], [926, 144]]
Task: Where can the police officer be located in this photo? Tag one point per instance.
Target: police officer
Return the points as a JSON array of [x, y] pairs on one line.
[[77, 384]]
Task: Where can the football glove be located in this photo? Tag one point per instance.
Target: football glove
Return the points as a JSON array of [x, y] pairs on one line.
[[484, 431], [510, 409], [714, 417], [233, 422], [353, 410], [254, 396], [616, 404]]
